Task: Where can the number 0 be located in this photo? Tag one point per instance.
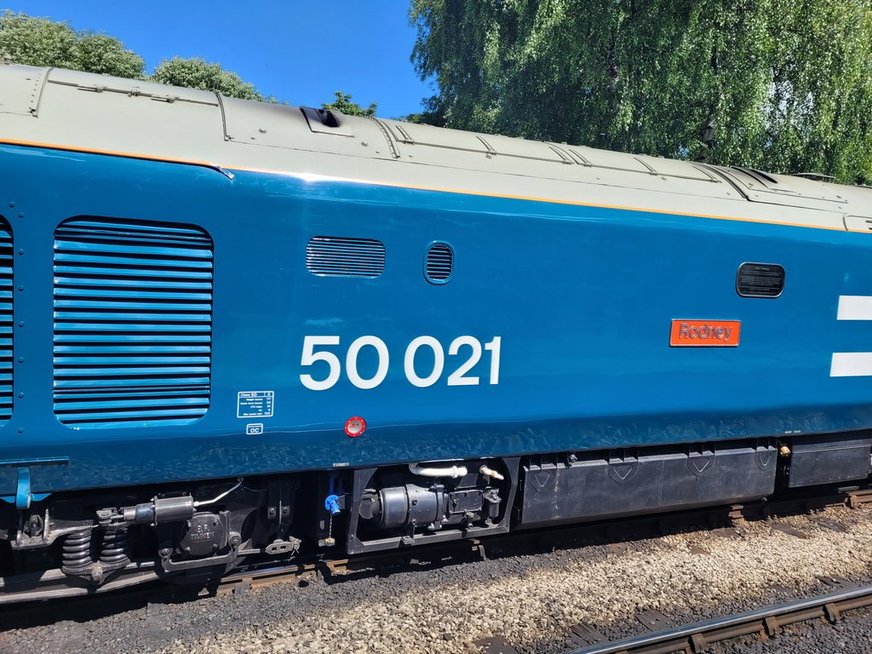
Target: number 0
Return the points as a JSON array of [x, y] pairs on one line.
[[438, 361], [351, 362]]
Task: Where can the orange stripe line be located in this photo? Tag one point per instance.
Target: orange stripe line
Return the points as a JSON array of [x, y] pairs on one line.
[[195, 162], [111, 153]]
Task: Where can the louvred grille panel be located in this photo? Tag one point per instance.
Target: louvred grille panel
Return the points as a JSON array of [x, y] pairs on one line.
[[132, 323], [338, 256], [5, 322], [440, 263]]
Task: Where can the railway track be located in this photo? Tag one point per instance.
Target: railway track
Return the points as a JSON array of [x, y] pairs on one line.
[[697, 637], [25, 603], [764, 622]]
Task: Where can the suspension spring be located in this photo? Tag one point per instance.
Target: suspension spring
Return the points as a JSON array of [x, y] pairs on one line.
[[113, 549], [77, 552]]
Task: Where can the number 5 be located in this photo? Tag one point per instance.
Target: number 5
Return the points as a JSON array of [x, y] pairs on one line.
[[311, 357]]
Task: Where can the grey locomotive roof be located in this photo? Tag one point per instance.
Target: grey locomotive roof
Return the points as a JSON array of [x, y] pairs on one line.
[[81, 111]]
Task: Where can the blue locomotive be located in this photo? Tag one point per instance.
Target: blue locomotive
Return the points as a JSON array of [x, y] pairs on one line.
[[233, 332]]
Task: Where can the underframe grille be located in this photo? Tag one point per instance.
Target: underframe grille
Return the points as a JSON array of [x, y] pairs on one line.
[[132, 323]]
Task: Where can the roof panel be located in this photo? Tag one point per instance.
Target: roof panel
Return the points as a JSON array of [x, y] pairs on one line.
[[607, 159], [438, 137], [133, 87], [523, 149], [133, 117], [22, 88], [786, 190], [283, 126], [676, 168]]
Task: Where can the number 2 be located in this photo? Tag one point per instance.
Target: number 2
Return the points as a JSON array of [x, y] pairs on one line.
[[457, 378]]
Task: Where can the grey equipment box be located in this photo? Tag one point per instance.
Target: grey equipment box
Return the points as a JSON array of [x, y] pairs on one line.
[[588, 487], [829, 459]]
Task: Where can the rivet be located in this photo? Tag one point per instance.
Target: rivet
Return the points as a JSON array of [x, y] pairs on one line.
[[11, 205], [21, 395], [21, 323], [21, 288], [21, 430], [20, 359], [20, 250], [21, 215]]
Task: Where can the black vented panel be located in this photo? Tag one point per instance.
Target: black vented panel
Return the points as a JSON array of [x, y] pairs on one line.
[[439, 263], [338, 256], [5, 322], [132, 323]]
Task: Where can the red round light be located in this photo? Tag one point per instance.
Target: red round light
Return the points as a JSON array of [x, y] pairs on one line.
[[355, 426]]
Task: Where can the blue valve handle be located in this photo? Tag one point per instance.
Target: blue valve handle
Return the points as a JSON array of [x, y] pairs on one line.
[[331, 503]]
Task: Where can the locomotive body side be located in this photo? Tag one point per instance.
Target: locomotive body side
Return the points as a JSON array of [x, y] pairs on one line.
[[212, 307]]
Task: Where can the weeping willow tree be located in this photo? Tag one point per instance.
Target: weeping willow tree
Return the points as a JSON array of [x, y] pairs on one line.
[[784, 85]]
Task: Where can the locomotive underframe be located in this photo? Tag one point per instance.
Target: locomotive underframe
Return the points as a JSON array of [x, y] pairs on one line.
[[198, 531]]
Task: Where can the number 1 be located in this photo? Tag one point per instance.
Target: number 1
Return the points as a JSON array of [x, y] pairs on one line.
[[494, 348]]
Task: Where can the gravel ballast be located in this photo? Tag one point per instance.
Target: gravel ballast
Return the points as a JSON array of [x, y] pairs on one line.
[[531, 600]]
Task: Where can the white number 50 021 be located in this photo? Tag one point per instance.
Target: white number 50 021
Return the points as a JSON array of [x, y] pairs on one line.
[[459, 377]]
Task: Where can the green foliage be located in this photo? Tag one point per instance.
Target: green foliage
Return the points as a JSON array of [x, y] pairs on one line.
[[343, 104], [43, 42], [784, 85], [196, 73], [433, 114]]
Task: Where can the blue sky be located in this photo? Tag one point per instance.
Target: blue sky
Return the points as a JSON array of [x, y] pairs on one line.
[[297, 51]]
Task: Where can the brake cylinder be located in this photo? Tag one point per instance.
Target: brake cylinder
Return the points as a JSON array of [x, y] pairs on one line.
[[399, 506]]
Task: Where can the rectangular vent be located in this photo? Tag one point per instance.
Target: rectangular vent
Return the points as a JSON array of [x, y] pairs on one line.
[[5, 322], [337, 256], [760, 280], [132, 323]]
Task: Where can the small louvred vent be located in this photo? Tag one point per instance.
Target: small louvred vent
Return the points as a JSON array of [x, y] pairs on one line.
[[5, 322], [132, 323], [439, 263], [339, 256]]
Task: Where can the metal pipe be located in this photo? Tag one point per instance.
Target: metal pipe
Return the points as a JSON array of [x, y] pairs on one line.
[[454, 472], [488, 472], [220, 497]]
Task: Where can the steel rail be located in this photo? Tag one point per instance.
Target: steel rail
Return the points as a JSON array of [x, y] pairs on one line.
[[768, 620]]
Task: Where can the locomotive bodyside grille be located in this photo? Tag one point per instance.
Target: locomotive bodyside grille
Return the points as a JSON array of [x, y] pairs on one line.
[[5, 322], [132, 323], [338, 256], [439, 263]]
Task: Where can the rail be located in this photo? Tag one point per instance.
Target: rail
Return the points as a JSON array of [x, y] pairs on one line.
[[766, 621]]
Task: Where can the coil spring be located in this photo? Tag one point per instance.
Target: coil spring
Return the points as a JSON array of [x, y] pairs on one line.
[[113, 549], [77, 551]]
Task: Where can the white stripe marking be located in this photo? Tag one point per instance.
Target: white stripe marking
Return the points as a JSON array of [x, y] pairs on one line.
[[855, 307], [851, 364]]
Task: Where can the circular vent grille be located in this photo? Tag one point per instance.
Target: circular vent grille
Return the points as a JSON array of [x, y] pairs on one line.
[[439, 263]]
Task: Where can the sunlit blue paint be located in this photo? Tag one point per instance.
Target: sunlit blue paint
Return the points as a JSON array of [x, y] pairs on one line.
[[582, 298]]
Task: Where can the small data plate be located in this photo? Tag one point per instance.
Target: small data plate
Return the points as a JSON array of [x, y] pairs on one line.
[[255, 404]]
